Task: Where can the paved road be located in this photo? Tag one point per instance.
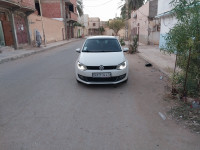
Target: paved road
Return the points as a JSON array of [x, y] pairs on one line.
[[43, 108]]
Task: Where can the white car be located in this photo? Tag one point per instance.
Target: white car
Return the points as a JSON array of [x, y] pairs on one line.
[[101, 61]]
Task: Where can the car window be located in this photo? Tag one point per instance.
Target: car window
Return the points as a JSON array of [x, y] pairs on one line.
[[101, 45]]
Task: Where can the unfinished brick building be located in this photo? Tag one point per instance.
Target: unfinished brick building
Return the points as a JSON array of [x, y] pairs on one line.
[[14, 28], [63, 10]]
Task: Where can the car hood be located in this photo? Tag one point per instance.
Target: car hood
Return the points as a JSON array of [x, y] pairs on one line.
[[105, 59]]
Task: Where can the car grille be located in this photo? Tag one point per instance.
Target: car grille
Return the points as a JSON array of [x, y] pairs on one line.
[[105, 67], [111, 79]]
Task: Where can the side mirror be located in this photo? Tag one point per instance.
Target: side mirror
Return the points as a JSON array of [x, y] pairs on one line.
[[78, 50], [126, 49]]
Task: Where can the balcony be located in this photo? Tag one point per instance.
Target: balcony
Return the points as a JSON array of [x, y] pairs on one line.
[[72, 17], [28, 4], [14, 4], [23, 5]]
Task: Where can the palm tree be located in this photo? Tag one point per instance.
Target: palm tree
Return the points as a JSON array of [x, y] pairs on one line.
[[135, 4], [132, 5], [80, 7], [123, 12]]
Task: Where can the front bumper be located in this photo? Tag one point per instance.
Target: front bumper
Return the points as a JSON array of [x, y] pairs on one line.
[[118, 76]]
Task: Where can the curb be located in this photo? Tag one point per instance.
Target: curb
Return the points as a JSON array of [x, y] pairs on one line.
[[154, 64], [33, 52]]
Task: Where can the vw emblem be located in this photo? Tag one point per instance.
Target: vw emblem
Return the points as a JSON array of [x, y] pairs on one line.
[[101, 67]]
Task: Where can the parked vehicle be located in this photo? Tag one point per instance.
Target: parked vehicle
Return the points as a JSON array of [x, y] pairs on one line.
[[101, 61]]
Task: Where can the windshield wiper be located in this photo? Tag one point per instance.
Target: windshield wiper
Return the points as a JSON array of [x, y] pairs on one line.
[[108, 51], [89, 51]]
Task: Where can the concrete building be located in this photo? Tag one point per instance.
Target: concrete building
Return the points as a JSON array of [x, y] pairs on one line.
[[121, 34], [108, 31], [54, 30], [78, 32], [167, 19], [62, 10], [83, 20], [144, 23], [103, 24], [14, 28], [94, 24]]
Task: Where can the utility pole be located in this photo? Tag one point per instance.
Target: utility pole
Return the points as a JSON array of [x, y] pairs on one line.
[[126, 26], [42, 24], [64, 16]]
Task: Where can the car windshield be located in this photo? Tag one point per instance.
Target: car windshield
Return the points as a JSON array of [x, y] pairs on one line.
[[102, 45]]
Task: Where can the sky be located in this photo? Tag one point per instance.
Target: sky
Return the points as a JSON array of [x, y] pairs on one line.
[[104, 9]]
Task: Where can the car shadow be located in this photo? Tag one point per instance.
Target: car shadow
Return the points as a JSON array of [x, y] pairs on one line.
[[102, 86]]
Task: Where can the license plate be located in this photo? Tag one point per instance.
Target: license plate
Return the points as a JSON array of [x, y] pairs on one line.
[[101, 75]]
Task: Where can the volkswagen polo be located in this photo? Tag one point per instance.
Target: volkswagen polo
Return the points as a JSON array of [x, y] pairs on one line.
[[101, 61]]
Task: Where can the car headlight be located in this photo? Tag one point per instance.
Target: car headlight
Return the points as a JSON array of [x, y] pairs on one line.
[[81, 66], [122, 66]]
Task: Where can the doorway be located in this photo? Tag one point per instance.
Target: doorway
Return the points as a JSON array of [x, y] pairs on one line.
[[2, 40], [5, 30]]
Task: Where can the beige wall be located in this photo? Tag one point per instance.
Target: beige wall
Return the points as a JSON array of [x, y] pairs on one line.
[[141, 19], [96, 21], [146, 28], [54, 29], [85, 31], [103, 24], [122, 33], [110, 32], [78, 32]]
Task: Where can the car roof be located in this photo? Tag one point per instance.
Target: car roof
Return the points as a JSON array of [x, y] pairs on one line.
[[102, 37]]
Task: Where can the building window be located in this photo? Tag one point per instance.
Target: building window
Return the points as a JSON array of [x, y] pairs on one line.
[[37, 7], [71, 8], [94, 24], [158, 28]]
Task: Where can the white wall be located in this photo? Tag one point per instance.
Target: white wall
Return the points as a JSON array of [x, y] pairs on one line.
[[167, 23], [167, 20], [84, 19], [164, 6]]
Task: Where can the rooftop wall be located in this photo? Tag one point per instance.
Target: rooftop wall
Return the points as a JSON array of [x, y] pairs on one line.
[[164, 6], [23, 3]]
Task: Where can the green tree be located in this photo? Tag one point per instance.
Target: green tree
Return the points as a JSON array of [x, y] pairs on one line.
[[116, 24], [135, 4], [101, 30], [184, 40]]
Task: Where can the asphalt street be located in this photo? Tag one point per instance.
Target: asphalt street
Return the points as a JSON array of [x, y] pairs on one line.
[[42, 107]]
